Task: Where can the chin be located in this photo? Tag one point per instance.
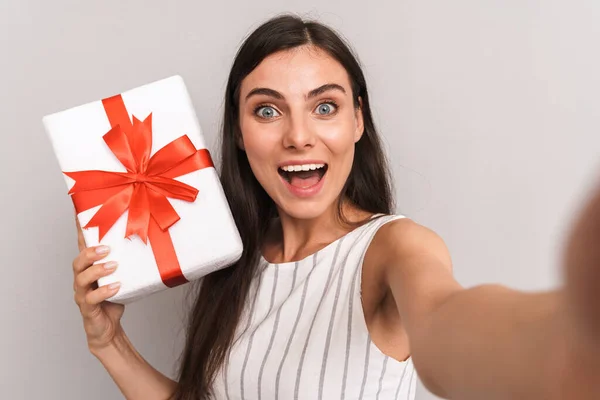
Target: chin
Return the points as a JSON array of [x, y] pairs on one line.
[[306, 209]]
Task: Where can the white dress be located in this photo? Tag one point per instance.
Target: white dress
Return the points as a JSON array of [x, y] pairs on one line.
[[307, 337]]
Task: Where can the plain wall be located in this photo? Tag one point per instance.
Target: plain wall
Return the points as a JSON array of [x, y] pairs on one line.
[[489, 110]]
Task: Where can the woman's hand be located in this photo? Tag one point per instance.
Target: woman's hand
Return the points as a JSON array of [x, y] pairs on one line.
[[581, 369], [101, 319]]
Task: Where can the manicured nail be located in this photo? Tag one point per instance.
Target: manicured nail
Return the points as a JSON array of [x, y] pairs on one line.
[[115, 285], [102, 249], [111, 265]]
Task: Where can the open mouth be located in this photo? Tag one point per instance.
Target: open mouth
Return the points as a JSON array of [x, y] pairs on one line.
[[303, 176]]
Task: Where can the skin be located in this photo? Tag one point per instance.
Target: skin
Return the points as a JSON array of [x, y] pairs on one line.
[[299, 129], [295, 127], [484, 342]]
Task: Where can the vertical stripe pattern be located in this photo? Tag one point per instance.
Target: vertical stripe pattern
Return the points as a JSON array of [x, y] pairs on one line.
[[366, 368], [252, 336], [249, 316], [262, 365], [305, 336], [401, 381], [289, 343], [385, 360], [312, 324]]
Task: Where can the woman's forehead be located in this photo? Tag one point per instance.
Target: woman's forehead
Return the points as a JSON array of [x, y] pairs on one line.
[[296, 72]]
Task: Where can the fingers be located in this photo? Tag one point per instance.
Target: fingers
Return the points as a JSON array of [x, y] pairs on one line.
[[94, 297], [85, 279], [90, 302], [86, 273], [87, 297], [86, 293], [88, 256]]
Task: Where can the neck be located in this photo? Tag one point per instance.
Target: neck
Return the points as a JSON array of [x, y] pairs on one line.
[[293, 239]]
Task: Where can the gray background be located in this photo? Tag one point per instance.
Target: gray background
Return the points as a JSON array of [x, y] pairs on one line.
[[489, 110]]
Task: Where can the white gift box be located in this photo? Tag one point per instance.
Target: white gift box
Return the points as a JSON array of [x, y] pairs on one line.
[[205, 238]]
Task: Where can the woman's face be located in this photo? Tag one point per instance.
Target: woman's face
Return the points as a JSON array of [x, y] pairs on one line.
[[299, 126]]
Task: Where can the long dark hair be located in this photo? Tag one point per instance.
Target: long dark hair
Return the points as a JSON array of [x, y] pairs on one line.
[[221, 296]]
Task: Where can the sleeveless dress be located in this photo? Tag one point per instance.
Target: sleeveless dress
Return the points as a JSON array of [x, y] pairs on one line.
[[303, 333]]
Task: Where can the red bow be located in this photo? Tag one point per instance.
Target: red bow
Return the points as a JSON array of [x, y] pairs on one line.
[[143, 189]]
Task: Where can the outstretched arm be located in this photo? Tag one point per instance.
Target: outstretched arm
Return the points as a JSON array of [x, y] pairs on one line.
[[489, 341]]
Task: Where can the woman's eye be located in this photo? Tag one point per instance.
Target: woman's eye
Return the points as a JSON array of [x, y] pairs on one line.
[[266, 112], [325, 109]]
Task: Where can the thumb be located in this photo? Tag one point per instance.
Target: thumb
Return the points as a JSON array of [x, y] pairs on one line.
[[80, 239]]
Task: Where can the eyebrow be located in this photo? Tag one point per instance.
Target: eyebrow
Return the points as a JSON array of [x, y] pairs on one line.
[[313, 93]]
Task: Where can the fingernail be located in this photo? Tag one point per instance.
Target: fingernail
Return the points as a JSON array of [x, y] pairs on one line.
[[110, 265], [102, 249], [115, 285]]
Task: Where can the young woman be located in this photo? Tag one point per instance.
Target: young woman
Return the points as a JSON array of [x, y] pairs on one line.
[[334, 296]]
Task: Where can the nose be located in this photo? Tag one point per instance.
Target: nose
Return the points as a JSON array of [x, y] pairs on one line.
[[298, 134]]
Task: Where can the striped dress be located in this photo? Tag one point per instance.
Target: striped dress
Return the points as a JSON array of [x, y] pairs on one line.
[[303, 335]]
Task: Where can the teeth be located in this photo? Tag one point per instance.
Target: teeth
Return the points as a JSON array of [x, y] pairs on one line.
[[303, 167]]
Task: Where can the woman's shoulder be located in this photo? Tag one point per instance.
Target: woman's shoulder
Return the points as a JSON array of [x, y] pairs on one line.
[[397, 242], [400, 236]]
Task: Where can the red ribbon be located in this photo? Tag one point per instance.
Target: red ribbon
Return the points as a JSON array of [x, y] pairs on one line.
[[143, 189]]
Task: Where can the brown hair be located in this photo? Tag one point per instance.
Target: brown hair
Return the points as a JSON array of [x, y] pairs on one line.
[[221, 296]]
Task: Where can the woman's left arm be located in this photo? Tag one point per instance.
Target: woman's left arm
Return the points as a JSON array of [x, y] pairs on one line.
[[489, 341]]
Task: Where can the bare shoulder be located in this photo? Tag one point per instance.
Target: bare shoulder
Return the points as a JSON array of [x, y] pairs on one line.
[[408, 273], [411, 266], [407, 253], [404, 238]]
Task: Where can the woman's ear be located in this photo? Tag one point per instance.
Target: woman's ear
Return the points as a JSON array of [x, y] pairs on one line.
[[360, 123]]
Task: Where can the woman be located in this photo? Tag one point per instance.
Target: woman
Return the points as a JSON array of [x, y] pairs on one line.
[[335, 297]]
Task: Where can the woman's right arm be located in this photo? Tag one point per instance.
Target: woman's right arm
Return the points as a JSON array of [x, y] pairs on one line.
[[106, 340]]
